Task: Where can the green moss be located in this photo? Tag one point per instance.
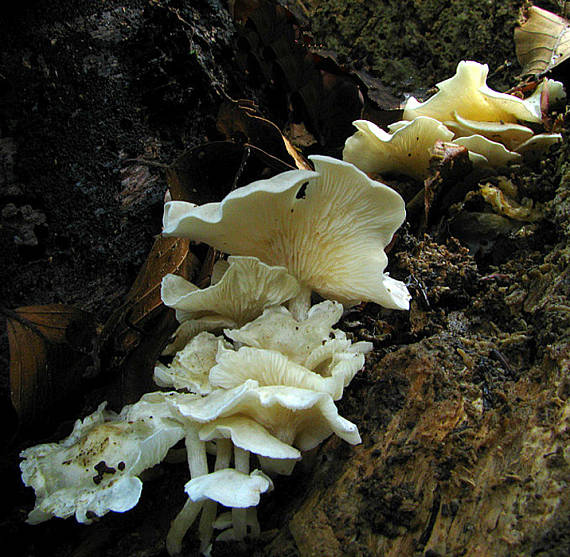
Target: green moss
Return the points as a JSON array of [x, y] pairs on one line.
[[412, 44]]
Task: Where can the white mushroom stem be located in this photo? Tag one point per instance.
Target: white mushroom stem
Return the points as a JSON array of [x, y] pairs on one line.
[[253, 522], [198, 465], [196, 451], [206, 528], [180, 526], [300, 304], [223, 453], [239, 516]]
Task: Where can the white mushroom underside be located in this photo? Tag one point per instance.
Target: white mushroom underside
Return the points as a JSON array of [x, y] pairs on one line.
[[329, 228]]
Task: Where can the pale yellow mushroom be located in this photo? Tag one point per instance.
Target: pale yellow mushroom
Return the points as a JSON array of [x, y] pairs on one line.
[[495, 154], [328, 228], [467, 94], [406, 151]]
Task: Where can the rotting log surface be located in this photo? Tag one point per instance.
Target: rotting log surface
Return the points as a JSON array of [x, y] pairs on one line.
[[464, 406]]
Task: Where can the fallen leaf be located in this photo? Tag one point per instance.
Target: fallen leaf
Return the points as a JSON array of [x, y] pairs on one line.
[[130, 334], [126, 325], [542, 42], [235, 117], [52, 351]]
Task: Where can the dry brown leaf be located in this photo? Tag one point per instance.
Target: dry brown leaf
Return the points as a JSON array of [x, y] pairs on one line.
[[123, 331], [542, 42], [136, 332], [168, 255], [51, 356], [242, 117]]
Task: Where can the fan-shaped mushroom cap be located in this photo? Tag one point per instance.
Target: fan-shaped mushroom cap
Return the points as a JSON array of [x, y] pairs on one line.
[[187, 330], [276, 329], [298, 417], [191, 366], [240, 295], [539, 143], [495, 153], [509, 134], [247, 434], [268, 367], [406, 151], [328, 228], [312, 342], [230, 487], [467, 94], [94, 470]]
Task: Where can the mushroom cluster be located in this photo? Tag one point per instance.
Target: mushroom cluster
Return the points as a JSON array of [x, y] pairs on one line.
[[255, 368], [464, 111]]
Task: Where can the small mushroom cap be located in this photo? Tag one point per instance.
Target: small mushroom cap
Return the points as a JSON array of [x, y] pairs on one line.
[[328, 228], [298, 417], [240, 294], [187, 330], [539, 143], [248, 435], [311, 343], [555, 91], [93, 471], [276, 329], [467, 94], [268, 367], [496, 154], [277, 466], [406, 151], [230, 487], [191, 366], [509, 134]]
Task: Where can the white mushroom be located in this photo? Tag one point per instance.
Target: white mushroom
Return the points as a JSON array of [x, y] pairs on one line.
[[243, 288], [187, 330], [191, 366], [248, 435], [230, 487], [95, 470], [268, 367], [509, 134], [496, 154], [539, 143], [277, 329], [241, 294], [298, 417], [311, 342], [467, 94], [328, 228], [405, 151]]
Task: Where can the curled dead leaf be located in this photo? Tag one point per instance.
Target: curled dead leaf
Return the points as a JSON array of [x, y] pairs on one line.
[[241, 117], [136, 332], [542, 42]]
